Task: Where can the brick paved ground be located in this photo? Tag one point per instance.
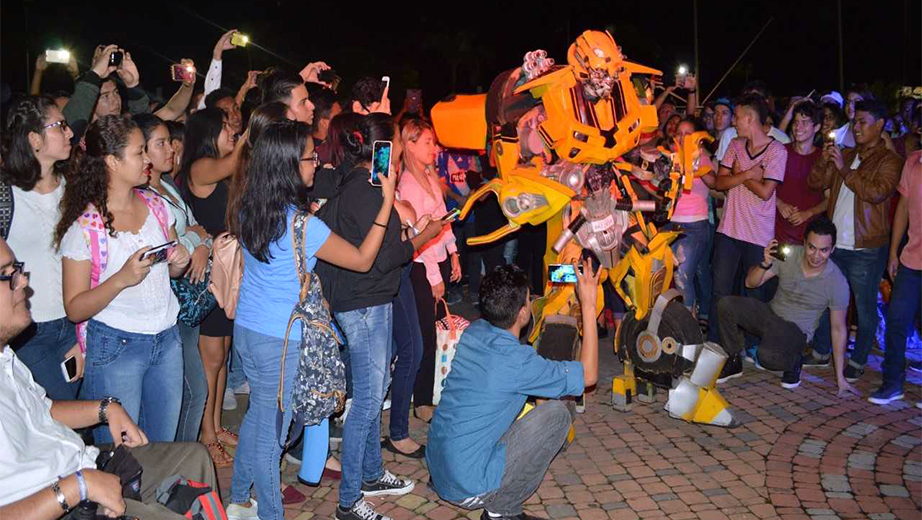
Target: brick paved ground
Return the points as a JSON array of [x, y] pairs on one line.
[[799, 455]]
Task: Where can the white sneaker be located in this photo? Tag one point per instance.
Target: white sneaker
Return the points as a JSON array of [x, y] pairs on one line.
[[238, 512], [230, 401], [388, 484], [361, 510], [291, 459], [386, 405], [346, 408], [243, 389]]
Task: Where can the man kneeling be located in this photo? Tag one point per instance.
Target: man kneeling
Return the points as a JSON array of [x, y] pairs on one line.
[[479, 455]]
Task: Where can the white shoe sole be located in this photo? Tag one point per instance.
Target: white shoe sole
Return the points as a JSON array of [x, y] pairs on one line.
[[392, 492], [731, 376], [790, 386], [885, 401]]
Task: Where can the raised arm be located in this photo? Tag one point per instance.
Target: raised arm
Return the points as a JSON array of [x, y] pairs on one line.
[[177, 104]]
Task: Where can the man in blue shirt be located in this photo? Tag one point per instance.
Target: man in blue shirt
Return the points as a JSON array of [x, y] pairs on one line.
[[479, 455]]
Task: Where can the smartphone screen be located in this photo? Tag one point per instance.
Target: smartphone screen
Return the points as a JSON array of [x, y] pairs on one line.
[[387, 82], [414, 100], [240, 40], [160, 252], [562, 273], [69, 368], [380, 161], [57, 56], [781, 252]]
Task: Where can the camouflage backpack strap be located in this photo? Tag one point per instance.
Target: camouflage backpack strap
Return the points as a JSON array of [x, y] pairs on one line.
[[6, 208]]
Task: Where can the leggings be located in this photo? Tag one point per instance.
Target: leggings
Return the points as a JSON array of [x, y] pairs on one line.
[[426, 308]]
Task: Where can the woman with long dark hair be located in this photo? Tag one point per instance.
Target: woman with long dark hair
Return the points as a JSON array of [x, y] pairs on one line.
[[280, 168], [211, 155], [35, 148], [107, 226]]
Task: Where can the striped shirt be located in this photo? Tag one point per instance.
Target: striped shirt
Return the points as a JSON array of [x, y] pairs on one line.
[[748, 217]]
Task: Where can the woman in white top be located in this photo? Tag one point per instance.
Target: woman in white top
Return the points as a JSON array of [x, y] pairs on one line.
[[36, 142], [437, 262], [133, 349]]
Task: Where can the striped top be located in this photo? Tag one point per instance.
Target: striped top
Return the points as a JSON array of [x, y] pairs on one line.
[[748, 217]]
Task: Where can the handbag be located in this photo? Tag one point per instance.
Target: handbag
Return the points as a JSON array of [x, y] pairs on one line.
[[447, 333], [319, 388], [226, 273], [195, 300]]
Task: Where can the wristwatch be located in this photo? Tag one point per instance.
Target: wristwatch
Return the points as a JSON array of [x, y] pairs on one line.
[[766, 267], [104, 408]]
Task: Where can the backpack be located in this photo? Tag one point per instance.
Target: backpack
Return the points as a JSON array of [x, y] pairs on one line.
[[194, 500], [6, 209], [97, 239], [319, 388], [226, 272]]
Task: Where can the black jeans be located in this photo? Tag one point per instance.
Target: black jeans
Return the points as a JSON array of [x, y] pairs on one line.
[[532, 443], [782, 341], [428, 313], [732, 260]]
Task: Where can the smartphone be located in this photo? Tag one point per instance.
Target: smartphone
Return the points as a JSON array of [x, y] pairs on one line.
[[782, 251], [562, 273], [387, 82], [160, 252], [57, 56], [451, 216], [69, 369], [240, 40], [380, 161], [680, 74], [115, 59], [414, 100], [830, 138], [182, 73]]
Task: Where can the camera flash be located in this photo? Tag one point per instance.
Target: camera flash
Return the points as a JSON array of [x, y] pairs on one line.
[[683, 69], [831, 134]]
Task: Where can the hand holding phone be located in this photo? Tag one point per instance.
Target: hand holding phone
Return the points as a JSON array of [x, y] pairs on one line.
[[451, 216], [563, 273], [380, 161], [239, 40], [781, 251], [160, 253]]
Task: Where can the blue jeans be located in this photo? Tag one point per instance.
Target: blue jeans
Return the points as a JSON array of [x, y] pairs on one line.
[[693, 243], [368, 333], [704, 281], [145, 371], [256, 462], [408, 347], [732, 260], [194, 388], [235, 377], [864, 269], [904, 304], [42, 347]]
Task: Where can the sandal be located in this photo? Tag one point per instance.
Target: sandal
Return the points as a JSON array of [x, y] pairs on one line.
[[219, 455], [227, 437]]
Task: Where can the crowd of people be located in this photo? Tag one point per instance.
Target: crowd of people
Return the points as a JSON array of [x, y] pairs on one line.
[[807, 209]]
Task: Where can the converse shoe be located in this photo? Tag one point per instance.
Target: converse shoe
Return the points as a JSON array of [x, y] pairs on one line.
[[238, 512], [243, 389], [815, 360], [732, 368], [361, 510], [791, 378], [853, 373], [388, 484], [887, 394]]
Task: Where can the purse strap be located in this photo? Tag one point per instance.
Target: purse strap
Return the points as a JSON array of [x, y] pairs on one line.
[[452, 326]]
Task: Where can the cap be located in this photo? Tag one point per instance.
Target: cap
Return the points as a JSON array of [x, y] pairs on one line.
[[832, 97], [725, 102]]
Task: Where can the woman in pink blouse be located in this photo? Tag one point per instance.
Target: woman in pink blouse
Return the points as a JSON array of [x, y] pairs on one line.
[[419, 186]]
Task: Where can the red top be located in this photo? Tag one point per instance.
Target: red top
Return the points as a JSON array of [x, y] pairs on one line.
[[794, 191]]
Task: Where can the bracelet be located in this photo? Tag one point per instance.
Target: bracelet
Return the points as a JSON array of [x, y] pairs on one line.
[[104, 408], [380, 224], [81, 483], [59, 495], [766, 267]]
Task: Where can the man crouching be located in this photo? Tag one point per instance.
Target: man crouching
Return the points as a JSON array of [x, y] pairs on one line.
[[479, 455]]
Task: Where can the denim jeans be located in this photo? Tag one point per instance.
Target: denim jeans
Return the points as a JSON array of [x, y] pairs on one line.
[[904, 304], [235, 377], [368, 333], [732, 260], [693, 244], [256, 462], [194, 388], [864, 269], [408, 347], [145, 371], [42, 347], [704, 279]]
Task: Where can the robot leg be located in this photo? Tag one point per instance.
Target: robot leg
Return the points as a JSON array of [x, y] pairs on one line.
[[695, 398]]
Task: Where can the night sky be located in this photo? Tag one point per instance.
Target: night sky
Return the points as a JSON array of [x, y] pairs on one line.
[[441, 49]]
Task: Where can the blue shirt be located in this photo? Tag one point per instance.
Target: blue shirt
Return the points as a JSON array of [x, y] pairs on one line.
[[270, 291], [491, 376]]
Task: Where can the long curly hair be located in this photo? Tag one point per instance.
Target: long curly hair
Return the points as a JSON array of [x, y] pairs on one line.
[[88, 175], [20, 167]]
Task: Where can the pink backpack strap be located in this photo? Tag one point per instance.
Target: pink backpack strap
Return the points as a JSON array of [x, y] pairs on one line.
[[97, 240], [158, 208]]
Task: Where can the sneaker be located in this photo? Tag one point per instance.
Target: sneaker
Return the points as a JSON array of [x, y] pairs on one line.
[[749, 357], [915, 365], [243, 389], [581, 404], [386, 405], [291, 459], [230, 400], [361, 510], [919, 405], [815, 360], [732, 368], [887, 394], [523, 516], [388, 484], [791, 378], [238, 512], [853, 373]]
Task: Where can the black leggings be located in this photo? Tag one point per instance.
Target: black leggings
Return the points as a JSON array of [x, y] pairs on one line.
[[425, 307]]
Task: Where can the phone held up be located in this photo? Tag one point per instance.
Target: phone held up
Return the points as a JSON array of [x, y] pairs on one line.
[[57, 56], [781, 252], [380, 161], [239, 40], [115, 59], [159, 253], [182, 73], [563, 273]]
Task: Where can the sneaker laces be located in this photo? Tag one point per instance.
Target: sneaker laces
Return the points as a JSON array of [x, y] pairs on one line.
[[389, 479], [363, 510]]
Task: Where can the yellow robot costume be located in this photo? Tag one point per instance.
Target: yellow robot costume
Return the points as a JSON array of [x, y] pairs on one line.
[[564, 140]]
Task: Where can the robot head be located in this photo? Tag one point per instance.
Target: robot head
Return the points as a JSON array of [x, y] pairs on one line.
[[597, 61]]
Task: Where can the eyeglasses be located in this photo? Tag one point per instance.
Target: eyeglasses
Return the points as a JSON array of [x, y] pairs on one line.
[[314, 158], [62, 123], [16, 278]]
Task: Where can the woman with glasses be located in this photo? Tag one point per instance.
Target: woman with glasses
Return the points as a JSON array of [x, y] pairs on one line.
[[35, 148]]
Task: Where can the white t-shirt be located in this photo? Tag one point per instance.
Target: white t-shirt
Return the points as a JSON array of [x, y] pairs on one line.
[[34, 448], [844, 215], [147, 308], [35, 216]]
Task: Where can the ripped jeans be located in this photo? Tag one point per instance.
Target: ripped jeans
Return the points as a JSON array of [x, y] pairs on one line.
[[690, 248]]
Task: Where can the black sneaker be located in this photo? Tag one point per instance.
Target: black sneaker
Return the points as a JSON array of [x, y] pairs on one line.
[[852, 373], [915, 365], [815, 360], [790, 379], [887, 394], [361, 510], [732, 368], [388, 484], [521, 516]]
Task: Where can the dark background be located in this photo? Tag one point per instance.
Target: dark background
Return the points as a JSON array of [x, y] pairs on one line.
[[444, 47]]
